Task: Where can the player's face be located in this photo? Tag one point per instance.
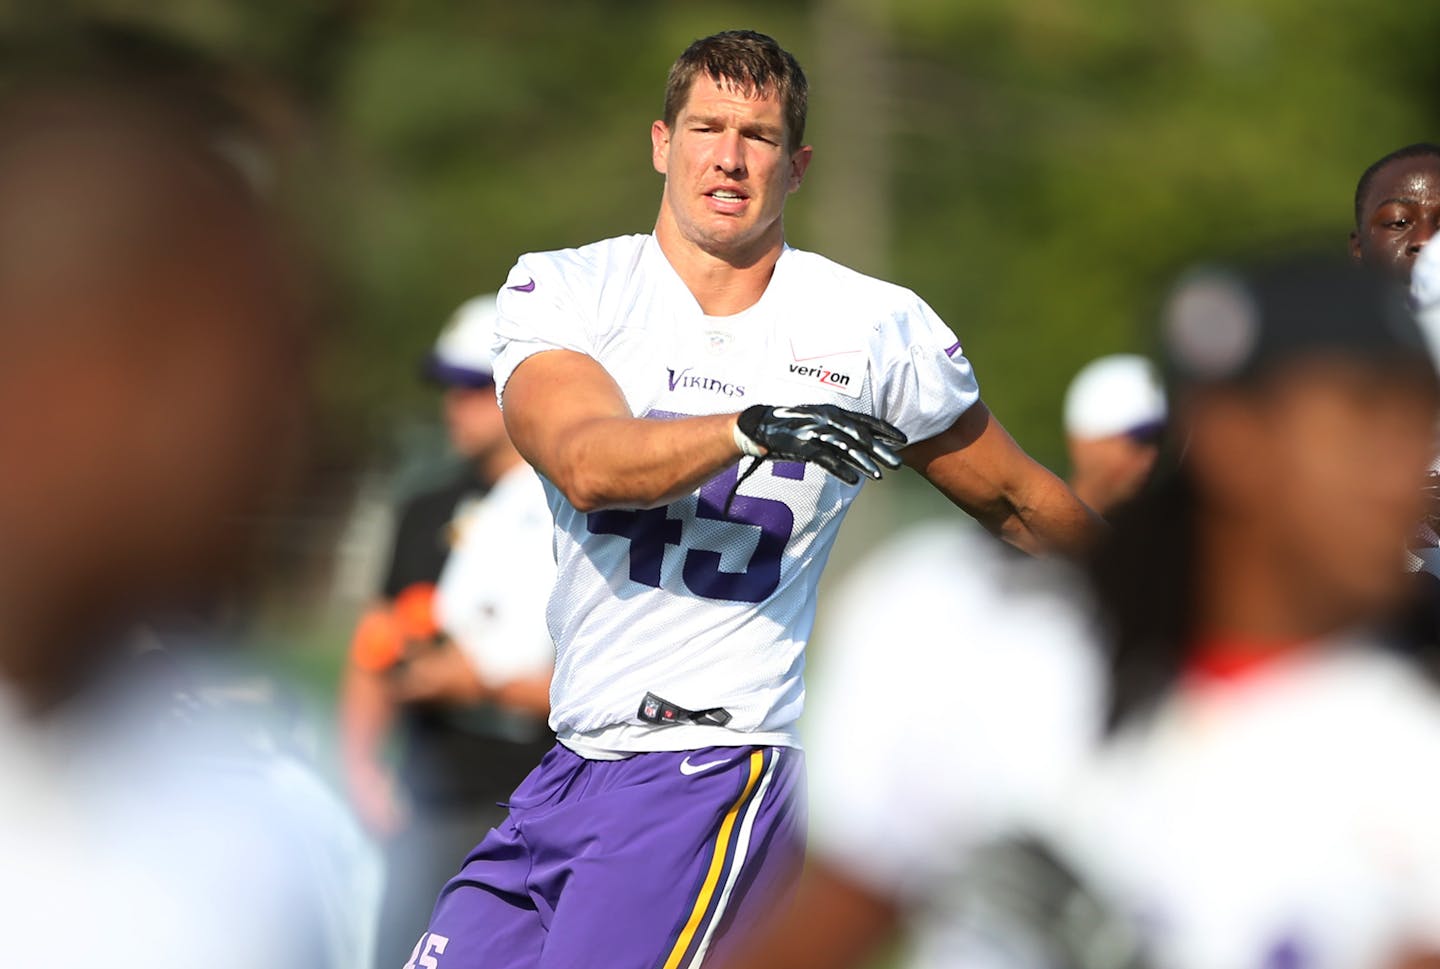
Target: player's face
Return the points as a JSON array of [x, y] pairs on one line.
[[728, 169], [1398, 216], [1115, 467], [1326, 470], [474, 420]]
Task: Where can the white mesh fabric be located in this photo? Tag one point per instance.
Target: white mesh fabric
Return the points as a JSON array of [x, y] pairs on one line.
[[701, 608]]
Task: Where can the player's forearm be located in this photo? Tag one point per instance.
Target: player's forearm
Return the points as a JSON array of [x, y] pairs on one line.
[[616, 462], [831, 923], [366, 714], [528, 694], [1052, 519]]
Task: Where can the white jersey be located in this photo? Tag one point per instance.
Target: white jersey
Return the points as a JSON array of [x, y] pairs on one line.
[[959, 692], [705, 610], [1287, 818], [491, 597]]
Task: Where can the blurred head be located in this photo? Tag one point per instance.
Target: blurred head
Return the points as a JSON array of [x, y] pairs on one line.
[[1397, 209], [151, 367], [463, 363], [1307, 398], [1114, 416], [730, 144], [1302, 407]]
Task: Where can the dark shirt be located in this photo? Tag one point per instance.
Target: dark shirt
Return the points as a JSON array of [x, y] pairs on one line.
[[453, 756]]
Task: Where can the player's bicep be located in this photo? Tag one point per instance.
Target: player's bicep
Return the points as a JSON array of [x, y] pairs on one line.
[[549, 400]]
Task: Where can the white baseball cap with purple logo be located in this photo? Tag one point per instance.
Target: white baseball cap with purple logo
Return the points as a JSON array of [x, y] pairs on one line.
[[1114, 395], [464, 354]]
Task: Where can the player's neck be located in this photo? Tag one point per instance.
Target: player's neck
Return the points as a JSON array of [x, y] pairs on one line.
[[497, 463], [1097, 493], [723, 283]]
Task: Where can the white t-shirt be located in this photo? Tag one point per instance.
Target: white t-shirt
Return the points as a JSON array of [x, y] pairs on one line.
[[1287, 818], [959, 689], [706, 610], [491, 597]]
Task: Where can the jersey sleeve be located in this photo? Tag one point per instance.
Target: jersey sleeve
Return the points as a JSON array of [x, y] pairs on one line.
[[926, 382], [536, 311]]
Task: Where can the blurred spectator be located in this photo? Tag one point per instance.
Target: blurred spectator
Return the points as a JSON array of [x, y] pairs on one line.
[[153, 348], [456, 657], [1114, 416]]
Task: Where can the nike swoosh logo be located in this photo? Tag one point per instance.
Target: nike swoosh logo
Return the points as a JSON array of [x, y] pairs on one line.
[[688, 768], [528, 287]]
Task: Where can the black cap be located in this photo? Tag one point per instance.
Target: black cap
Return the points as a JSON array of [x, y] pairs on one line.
[[1239, 325]]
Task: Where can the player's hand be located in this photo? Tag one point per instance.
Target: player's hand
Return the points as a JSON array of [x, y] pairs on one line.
[[845, 443], [377, 800]]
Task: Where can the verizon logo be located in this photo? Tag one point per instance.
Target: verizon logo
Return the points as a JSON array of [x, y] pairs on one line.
[[832, 378]]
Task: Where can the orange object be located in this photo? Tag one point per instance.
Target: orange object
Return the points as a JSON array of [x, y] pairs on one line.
[[414, 611], [377, 644]]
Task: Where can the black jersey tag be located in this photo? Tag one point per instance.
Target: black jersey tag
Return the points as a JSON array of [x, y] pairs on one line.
[[655, 710]]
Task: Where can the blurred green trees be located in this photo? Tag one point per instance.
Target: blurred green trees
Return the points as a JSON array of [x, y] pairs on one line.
[[1036, 169]]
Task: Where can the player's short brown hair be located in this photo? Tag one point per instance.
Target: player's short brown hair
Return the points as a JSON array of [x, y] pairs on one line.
[[748, 62]]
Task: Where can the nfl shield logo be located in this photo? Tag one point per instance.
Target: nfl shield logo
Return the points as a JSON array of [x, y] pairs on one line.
[[651, 709]]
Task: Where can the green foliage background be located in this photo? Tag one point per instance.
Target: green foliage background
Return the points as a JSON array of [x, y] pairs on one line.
[[1036, 169]]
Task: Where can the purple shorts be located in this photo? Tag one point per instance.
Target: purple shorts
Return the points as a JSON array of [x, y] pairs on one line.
[[646, 863]]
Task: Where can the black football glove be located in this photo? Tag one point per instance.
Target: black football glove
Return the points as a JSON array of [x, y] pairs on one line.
[[843, 442]]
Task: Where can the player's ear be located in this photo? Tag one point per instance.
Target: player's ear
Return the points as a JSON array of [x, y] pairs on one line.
[[1355, 246], [660, 146], [799, 162]]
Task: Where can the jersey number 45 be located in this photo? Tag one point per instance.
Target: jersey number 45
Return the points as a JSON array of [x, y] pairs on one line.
[[651, 531]]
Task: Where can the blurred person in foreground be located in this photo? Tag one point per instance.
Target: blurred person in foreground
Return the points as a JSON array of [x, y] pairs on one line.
[[1114, 417], [1265, 798], [153, 343], [994, 728], [455, 659], [1261, 796], [1397, 212], [1421, 627], [638, 374]]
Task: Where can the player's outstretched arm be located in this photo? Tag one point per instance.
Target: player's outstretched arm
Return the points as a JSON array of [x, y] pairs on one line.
[[832, 923], [570, 420], [978, 465]]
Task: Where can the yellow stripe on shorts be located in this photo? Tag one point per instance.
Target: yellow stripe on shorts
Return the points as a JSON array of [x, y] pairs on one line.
[[717, 863]]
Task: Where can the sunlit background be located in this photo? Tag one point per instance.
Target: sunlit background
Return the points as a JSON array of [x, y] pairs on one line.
[[1036, 169]]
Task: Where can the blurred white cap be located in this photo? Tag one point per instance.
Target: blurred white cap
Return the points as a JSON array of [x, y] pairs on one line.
[[1119, 394], [464, 354], [1425, 292]]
